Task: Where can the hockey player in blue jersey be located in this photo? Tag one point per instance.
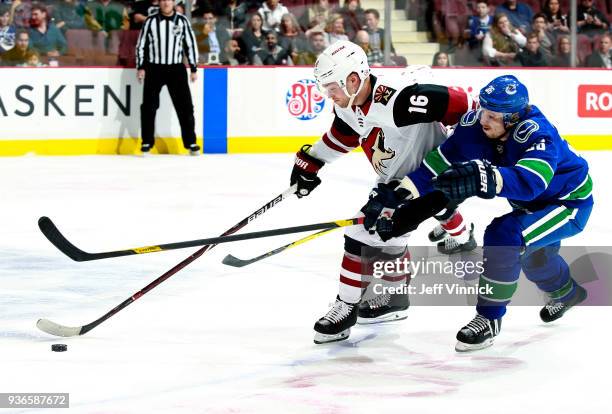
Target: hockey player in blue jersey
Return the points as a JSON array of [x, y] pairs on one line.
[[509, 149]]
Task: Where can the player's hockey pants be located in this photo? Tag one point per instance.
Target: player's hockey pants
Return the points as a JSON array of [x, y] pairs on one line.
[[531, 242]]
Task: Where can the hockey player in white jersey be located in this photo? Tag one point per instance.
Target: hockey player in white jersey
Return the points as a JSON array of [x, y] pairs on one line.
[[397, 121]]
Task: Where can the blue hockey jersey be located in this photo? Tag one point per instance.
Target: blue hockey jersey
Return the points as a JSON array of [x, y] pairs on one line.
[[538, 167]]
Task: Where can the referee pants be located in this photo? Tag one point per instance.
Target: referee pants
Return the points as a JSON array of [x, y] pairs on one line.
[[175, 78]]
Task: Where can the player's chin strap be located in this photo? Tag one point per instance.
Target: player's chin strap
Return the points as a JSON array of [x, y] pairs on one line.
[[353, 96]]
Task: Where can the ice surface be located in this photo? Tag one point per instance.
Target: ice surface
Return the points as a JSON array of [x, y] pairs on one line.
[[216, 339]]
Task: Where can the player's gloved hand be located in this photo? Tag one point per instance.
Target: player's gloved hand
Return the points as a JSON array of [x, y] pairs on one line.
[[410, 214], [305, 171], [467, 179], [384, 198]]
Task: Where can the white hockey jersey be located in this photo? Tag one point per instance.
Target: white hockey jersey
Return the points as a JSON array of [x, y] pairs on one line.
[[401, 121]]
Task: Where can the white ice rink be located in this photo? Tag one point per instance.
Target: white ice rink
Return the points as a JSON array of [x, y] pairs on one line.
[[215, 339]]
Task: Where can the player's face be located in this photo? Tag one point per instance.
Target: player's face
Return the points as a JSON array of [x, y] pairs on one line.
[[336, 94], [492, 124]]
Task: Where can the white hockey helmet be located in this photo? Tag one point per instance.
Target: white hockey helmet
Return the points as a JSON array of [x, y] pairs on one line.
[[337, 62]]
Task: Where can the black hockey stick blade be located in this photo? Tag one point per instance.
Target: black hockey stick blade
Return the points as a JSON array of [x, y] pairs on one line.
[[233, 261], [52, 233], [70, 250]]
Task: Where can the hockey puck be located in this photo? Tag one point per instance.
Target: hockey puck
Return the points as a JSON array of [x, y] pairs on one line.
[[59, 347]]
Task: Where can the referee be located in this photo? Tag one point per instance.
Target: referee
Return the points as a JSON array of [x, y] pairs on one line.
[[164, 37]]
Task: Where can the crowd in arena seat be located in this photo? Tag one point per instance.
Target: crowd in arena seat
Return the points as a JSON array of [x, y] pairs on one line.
[[527, 33], [294, 32]]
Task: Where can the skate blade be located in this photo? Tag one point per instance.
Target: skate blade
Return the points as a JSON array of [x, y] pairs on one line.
[[389, 317], [321, 338], [463, 347]]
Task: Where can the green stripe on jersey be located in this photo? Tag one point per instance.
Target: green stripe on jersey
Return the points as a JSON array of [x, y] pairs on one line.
[[436, 162], [538, 166], [581, 192], [548, 224], [494, 291]]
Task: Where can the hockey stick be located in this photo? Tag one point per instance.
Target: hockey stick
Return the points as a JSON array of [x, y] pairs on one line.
[[236, 262], [70, 250], [56, 329]]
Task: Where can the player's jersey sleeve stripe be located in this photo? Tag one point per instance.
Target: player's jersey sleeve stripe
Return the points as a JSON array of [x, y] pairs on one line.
[[458, 103], [436, 162], [349, 140], [583, 191], [538, 167], [335, 143]]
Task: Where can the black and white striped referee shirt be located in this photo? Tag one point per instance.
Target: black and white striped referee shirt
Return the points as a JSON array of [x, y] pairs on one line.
[[163, 39]]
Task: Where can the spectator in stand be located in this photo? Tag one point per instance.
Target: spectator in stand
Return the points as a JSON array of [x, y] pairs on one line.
[[334, 29], [479, 25], [7, 31], [233, 16], [32, 60], [557, 21], [108, 15], [21, 13], [532, 55], [441, 59], [272, 12], [316, 16], [253, 37], [233, 55], [18, 55], [353, 18], [45, 38], [519, 14], [141, 10], [212, 40], [502, 43], [377, 35], [375, 56], [272, 53], [316, 47], [602, 57], [591, 21], [291, 37], [70, 15], [545, 36], [562, 57]]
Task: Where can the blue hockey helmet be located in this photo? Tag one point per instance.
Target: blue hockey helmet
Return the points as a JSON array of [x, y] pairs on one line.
[[507, 95]]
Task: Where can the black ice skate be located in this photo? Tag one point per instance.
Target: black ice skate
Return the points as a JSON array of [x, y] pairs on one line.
[[194, 149], [477, 334], [145, 149], [336, 324], [555, 309], [450, 245], [437, 234], [384, 308]]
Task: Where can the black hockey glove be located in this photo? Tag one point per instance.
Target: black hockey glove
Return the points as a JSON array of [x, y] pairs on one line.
[[467, 179], [385, 196], [410, 214], [305, 171]]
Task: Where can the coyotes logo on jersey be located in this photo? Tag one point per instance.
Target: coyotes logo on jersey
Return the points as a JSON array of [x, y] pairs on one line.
[[374, 148]]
